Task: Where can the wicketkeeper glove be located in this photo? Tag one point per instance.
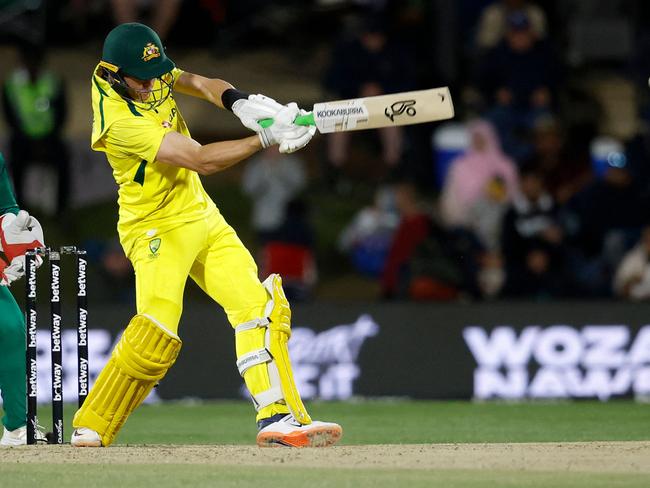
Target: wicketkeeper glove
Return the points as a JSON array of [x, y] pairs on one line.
[[12, 272], [18, 234]]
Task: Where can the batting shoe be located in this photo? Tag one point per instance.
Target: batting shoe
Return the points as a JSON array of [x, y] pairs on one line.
[[284, 430], [18, 437], [85, 437]]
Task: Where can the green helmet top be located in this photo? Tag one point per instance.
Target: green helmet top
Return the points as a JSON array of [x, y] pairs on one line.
[[137, 51]]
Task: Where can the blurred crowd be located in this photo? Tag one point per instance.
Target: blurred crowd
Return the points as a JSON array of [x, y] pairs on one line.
[[531, 197], [527, 193]]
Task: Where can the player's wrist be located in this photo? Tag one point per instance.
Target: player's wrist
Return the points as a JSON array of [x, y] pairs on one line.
[[231, 95], [267, 138]]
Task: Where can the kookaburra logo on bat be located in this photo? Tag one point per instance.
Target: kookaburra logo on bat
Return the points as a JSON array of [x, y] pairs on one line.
[[398, 108]]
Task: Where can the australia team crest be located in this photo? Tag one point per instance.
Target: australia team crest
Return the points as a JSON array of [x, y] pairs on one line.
[[154, 246], [150, 52]]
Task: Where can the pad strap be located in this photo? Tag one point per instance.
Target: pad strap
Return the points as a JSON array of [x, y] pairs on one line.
[[252, 324], [253, 358], [268, 397]]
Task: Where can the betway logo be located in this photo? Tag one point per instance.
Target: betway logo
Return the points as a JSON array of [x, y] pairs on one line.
[[82, 328], [31, 293], [57, 383], [560, 361], [54, 284], [81, 278], [33, 378], [56, 333], [83, 377], [31, 328]]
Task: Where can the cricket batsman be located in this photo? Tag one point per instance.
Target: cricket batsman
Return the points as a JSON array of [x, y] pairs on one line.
[[170, 229], [18, 233]]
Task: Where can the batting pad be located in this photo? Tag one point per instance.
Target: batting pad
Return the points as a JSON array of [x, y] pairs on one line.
[[263, 355], [141, 358]]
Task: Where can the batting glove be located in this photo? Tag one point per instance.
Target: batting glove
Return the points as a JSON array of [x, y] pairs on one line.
[[291, 137], [254, 108], [298, 138]]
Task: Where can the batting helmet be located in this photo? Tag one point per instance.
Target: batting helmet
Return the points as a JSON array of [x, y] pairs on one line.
[[135, 50]]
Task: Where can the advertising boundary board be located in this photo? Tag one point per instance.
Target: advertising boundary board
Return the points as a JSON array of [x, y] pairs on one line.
[[506, 350]]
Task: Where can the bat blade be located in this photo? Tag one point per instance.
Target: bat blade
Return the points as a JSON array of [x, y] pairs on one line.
[[414, 107]]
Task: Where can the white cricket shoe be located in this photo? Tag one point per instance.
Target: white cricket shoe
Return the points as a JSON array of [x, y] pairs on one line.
[[85, 437], [285, 430], [18, 437]]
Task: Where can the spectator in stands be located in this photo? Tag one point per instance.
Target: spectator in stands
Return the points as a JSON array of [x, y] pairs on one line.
[[493, 23], [290, 252], [566, 170], [532, 241], [163, 13], [424, 261], [632, 279], [486, 222], [477, 191], [470, 174], [604, 219], [34, 104], [485, 217], [367, 238], [369, 64], [272, 180], [414, 227], [519, 78], [636, 152]]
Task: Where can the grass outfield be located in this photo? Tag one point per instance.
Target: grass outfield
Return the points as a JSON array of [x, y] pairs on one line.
[[398, 422], [173, 444]]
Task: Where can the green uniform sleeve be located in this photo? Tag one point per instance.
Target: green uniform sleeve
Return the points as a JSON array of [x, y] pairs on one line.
[[7, 200]]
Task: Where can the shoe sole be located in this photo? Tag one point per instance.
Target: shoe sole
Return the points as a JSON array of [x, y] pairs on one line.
[[86, 444], [316, 437]]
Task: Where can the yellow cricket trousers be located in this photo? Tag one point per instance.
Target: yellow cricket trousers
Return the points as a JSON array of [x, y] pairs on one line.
[[210, 252]]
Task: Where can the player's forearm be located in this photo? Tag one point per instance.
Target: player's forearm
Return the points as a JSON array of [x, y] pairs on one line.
[[218, 156], [209, 89], [212, 89]]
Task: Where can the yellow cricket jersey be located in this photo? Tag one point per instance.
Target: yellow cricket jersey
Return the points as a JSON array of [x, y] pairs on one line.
[[153, 196]]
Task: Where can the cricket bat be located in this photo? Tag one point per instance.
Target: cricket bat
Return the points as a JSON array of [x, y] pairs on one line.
[[414, 107]]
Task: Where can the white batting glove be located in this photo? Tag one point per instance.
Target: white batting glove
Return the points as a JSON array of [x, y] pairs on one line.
[[291, 137], [18, 234], [299, 138], [254, 108]]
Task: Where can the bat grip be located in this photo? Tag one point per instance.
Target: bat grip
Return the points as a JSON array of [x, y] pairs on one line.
[[307, 119]]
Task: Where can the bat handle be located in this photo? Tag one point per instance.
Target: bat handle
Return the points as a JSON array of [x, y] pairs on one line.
[[307, 119]]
